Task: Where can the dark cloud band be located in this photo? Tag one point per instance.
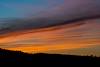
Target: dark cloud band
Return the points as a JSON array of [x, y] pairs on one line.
[[18, 25]]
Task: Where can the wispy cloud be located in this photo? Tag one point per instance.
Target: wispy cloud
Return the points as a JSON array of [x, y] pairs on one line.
[[70, 25]]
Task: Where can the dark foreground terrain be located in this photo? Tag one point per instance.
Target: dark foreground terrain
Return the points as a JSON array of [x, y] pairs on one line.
[[18, 58]]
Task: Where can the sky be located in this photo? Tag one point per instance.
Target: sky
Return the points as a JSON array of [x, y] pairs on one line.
[[22, 8], [52, 26]]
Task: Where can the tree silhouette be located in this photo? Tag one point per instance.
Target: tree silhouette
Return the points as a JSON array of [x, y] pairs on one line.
[[20, 58]]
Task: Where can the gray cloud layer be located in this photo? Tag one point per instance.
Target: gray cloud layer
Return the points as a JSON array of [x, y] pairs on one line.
[[70, 11]]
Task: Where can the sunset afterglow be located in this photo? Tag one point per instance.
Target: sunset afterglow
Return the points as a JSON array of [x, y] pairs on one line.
[[36, 26]]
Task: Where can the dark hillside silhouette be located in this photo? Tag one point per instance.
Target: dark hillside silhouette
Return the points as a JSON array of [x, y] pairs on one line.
[[18, 58]]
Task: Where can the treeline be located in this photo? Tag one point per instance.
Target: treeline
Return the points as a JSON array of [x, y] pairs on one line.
[[18, 58]]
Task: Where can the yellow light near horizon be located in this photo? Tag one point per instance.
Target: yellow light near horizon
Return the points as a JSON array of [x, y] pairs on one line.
[[44, 48]]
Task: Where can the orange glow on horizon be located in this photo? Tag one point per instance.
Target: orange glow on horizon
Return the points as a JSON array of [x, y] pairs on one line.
[[44, 48]]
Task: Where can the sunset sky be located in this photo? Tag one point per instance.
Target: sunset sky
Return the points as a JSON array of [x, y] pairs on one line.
[[51, 26]]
